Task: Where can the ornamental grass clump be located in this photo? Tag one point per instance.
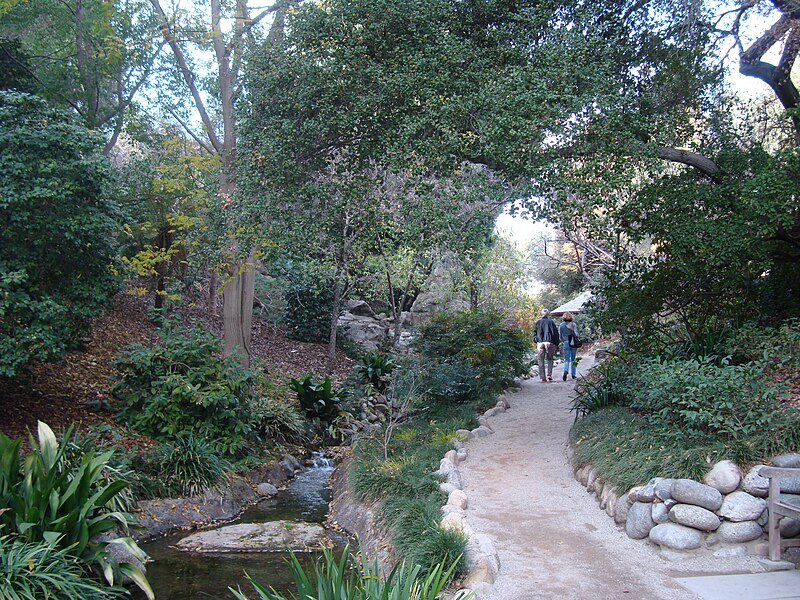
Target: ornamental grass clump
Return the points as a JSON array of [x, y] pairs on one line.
[[350, 577]]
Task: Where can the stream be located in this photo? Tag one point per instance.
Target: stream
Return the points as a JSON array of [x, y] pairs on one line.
[[176, 575]]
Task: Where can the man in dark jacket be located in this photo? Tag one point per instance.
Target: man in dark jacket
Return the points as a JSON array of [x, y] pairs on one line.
[[545, 334]]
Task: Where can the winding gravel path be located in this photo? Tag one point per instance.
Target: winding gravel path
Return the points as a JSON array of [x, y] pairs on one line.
[[552, 538]]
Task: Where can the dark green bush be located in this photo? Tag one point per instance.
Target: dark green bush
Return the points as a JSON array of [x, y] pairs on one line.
[[309, 302], [190, 465], [278, 420], [181, 384], [58, 227], [478, 340], [606, 385], [698, 398], [376, 369], [320, 401], [454, 383]]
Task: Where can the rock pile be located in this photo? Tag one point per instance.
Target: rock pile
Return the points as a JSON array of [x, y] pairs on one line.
[[723, 513], [483, 560]]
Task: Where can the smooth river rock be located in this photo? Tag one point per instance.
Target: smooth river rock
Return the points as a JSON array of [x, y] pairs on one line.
[[696, 517], [677, 537], [688, 491], [640, 521], [724, 476], [741, 506], [739, 532], [754, 484], [275, 536], [789, 485]]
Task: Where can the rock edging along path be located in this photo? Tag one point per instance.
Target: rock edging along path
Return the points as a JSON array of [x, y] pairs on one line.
[[536, 533]]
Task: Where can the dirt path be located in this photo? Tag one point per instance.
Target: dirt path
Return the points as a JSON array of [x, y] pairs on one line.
[[552, 538]]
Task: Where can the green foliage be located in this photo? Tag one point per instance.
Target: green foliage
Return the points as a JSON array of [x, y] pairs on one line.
[[417, 535], [353, 578], [278, 420], [308, 308], [58, 231], [627, 450], [181, 384], [473, 353], [36, 570], [697, 399], [752, 342], [376, 369], [191, 465], [318, 399], [606, 385], [45, 499]]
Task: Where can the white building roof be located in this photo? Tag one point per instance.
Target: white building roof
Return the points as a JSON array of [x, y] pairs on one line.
[[574, 306]]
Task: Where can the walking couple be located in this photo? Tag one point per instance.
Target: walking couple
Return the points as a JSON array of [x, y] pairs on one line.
[[547, 337]]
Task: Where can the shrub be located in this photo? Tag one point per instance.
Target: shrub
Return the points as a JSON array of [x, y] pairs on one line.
[[606, 385], [58, 230], [318, 399], [35, 570], [697, 398], [182, 385], [480, 340], [453, 383], [376, 369], [276, 419], [752, 342], [353, 578], [309, 301], [191, 465], [44, 498]]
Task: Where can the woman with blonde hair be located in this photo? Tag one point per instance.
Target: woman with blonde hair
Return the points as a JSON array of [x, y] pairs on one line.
[[567, 331]]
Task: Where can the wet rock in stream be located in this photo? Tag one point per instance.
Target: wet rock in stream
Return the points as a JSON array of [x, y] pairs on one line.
[[275, 536]]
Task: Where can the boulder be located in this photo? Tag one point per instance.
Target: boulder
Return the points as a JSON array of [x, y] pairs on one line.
[[463, 435], [369, 332], [266, 489], [687, 491], [790, 461], [646, 493], [274, 536], [739, 532], [480, 432], [790, 527], [696, 517], [449, 508], [754, 484], [724, 476], [454, 522], [359, 308], [639, 521], [676, 537], [741, 506]]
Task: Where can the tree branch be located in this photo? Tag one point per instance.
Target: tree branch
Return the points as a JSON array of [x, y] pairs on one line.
[[188, 77], [693, 159]]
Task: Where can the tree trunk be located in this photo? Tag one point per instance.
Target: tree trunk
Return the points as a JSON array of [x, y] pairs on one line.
[[237, 309], [334, 330]]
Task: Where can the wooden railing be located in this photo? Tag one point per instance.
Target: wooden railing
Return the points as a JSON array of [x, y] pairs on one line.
[[779, 509]]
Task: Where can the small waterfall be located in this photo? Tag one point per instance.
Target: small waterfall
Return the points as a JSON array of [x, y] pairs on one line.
[[319, 460]]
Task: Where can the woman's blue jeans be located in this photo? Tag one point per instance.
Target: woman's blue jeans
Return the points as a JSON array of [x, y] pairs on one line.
[[569, 358]]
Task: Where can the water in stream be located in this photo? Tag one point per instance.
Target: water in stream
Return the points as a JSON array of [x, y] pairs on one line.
[[177, 575]]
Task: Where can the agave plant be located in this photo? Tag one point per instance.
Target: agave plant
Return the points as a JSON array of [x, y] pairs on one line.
[[353, 578], [49, 498]]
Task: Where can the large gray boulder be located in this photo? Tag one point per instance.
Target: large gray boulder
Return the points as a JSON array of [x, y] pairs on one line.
[[724, 476], [739, 532], [663, 489], [696, 517], [741, 506], [687, 491], [640, 521], [369, 332], [275, 536], [676, 537]]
